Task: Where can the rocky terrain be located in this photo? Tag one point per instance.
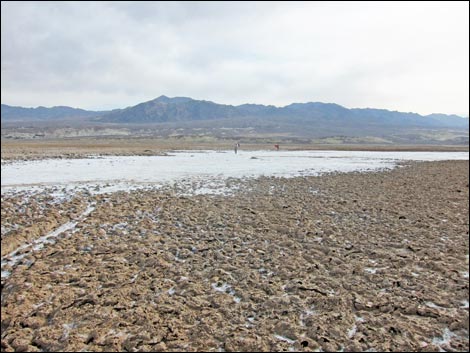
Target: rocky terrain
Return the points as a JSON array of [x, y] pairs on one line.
[[353, 262]]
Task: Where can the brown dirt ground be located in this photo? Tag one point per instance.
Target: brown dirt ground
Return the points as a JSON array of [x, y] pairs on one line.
[[355, 261]]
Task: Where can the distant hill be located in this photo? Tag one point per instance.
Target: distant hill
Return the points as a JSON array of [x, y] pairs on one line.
[[11, 113]]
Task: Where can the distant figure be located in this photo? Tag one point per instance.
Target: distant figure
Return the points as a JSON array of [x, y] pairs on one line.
[[236, 147], [276, 147]]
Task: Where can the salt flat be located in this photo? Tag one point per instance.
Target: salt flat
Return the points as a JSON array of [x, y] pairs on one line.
[[203, 166]]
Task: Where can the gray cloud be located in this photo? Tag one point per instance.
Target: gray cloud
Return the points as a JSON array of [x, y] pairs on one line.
[[102, 55]]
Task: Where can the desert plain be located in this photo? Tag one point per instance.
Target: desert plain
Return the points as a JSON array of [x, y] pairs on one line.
[[360, 261]]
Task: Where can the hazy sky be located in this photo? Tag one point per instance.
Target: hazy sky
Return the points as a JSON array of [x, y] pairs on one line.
[[101, 55]]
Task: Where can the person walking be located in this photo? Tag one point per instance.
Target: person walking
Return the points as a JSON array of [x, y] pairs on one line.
[[236, 147]]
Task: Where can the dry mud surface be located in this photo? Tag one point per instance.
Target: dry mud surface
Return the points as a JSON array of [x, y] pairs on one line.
[[354, 262]]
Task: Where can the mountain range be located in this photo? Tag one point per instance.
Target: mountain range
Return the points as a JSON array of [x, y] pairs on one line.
[[183, 109], [311, 119]]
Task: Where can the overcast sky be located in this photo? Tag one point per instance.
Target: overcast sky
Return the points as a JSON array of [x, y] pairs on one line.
[[104, 55]]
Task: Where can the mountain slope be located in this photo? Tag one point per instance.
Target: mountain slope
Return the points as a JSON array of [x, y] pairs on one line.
[[12, 113], [164, 109], [450, 120]]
